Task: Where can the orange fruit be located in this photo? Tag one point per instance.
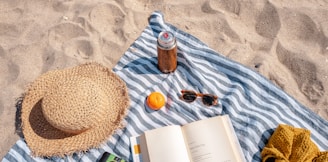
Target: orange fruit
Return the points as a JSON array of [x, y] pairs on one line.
[[155, 100]]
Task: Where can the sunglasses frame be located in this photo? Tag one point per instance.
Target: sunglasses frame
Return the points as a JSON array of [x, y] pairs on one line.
[[191, 92]]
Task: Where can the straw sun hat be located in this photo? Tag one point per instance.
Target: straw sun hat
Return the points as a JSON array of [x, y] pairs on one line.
[[70, 110]]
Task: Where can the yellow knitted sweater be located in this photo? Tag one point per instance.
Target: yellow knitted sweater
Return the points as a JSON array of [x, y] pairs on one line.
[[289, 144]]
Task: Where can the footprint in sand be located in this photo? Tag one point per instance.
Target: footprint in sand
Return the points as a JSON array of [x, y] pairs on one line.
[[25, 71], [4, 68], [304, 73], [9, 34], [60, 34], [7, 5], [31, 33], [108, 19], [232, 6], [221, 24], [11, 16], [1, 107], [48, 59], [299, 29], [266, 65], [299, 26], [13, 70], [268, 22], [62, 5], [8, 30], [72, 39], [106, 49], [9, 71], [80, 48], [2, 52]]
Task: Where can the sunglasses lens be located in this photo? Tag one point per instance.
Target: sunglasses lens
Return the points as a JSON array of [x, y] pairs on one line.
[[209, 100], [189, 96]]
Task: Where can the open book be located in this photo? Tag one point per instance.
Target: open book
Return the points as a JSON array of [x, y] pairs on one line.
[[207, 140]]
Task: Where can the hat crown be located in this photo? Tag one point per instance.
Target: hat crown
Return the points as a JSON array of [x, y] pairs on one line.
[[75, 105]]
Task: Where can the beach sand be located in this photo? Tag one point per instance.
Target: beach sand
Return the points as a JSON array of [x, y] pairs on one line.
[[285, 41]]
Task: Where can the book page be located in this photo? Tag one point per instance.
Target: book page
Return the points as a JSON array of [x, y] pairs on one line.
[[163, 145], [209, 141], [233, 139]]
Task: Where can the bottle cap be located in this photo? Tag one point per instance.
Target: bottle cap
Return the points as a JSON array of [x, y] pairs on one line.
[[166, 40]]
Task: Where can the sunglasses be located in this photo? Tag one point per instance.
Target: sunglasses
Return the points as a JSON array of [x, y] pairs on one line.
[[190, 96]]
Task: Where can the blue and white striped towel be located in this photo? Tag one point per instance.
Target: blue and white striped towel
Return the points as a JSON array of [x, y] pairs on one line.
[[254, 104]]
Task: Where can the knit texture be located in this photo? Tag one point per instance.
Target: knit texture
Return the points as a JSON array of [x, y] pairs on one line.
[[289, 144]]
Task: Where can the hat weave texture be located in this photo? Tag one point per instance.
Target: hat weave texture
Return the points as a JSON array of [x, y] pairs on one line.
[[74, 109]]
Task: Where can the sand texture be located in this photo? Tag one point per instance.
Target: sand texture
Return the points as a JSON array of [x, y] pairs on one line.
[[285, 41]]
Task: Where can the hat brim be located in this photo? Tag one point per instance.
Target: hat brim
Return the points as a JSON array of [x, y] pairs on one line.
[[45, 140]]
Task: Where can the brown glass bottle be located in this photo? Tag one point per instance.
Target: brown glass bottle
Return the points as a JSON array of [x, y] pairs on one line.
[[166, 52]]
